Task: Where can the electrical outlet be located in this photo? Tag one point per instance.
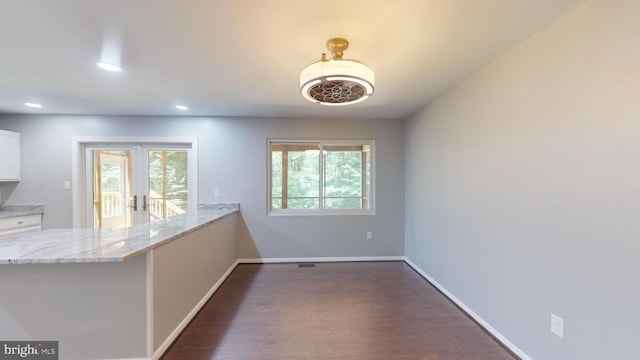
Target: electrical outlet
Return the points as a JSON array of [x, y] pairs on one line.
[[216, 192], [369, 235], [557, 325], [67, 185]]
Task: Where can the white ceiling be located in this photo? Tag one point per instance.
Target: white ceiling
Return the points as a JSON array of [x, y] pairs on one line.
[[243, 57]]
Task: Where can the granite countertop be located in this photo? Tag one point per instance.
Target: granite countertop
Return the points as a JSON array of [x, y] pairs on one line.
[[105, 245], [20, 210]]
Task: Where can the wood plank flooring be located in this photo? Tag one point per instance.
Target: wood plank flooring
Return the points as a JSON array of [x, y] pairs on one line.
[[360, 310]]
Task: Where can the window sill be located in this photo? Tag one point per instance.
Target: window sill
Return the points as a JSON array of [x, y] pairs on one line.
[[320, 212]]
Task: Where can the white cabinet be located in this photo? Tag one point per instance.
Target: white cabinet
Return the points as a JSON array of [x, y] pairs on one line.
[[9, 156], [19, 224]]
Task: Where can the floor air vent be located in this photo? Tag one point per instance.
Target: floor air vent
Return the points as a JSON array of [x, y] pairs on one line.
[[306, 265]]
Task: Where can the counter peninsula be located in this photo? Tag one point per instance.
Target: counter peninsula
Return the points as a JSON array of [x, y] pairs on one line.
[[115, 293]]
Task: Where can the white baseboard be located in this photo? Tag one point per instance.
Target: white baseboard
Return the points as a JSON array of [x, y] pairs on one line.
[[320, 259], [470, 312], [176, 332]]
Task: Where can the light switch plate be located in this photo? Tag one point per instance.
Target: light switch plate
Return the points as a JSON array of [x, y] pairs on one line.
[[557, 325]]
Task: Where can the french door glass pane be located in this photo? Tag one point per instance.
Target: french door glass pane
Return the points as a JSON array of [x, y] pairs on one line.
[[168, 183], [112, 183]]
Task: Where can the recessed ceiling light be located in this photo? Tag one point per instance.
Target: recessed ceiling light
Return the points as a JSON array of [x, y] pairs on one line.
[[181, 107], [33, 105], [109, 67]]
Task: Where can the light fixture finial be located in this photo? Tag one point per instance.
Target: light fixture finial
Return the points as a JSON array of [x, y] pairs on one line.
[[337, 46]]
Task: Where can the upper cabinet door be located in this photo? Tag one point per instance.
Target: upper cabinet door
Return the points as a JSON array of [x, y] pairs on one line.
[[9, 156]]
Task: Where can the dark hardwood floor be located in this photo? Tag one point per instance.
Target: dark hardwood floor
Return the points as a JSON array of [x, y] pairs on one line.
[[369, 310]]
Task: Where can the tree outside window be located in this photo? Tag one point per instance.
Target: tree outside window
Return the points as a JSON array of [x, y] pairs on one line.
[[320, 177]]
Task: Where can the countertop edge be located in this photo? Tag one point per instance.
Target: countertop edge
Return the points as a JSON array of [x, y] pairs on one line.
[[217, 213], [9, 211], [174, 237]]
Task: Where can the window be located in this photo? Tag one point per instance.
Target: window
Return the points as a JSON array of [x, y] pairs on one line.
[[320, 177]]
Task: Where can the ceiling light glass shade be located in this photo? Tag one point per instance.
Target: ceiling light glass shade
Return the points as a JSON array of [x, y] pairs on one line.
[[337, 82]]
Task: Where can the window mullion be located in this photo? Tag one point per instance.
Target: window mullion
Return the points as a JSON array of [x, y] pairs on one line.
[[164, 184], [363, 180], [285, 178], [321, 193]]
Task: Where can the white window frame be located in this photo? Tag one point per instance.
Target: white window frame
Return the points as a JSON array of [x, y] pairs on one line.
[[79, 164], [321, 211]]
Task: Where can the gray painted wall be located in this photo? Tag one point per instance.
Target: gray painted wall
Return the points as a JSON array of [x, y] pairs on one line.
[[232, 156], [522, 187], [83, 306], [185, 270]]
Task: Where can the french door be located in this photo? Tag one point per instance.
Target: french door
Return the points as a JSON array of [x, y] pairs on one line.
[[128, 184]]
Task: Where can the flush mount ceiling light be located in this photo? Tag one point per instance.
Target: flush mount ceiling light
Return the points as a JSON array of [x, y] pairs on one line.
[[33, 105], [337, 81], [109, 67]]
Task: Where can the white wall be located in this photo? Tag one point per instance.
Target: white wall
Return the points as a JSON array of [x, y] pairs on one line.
[[232, 156], [522, 187]]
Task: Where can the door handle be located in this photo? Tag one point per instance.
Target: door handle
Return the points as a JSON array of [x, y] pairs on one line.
[[144, 202], [135, 202]]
